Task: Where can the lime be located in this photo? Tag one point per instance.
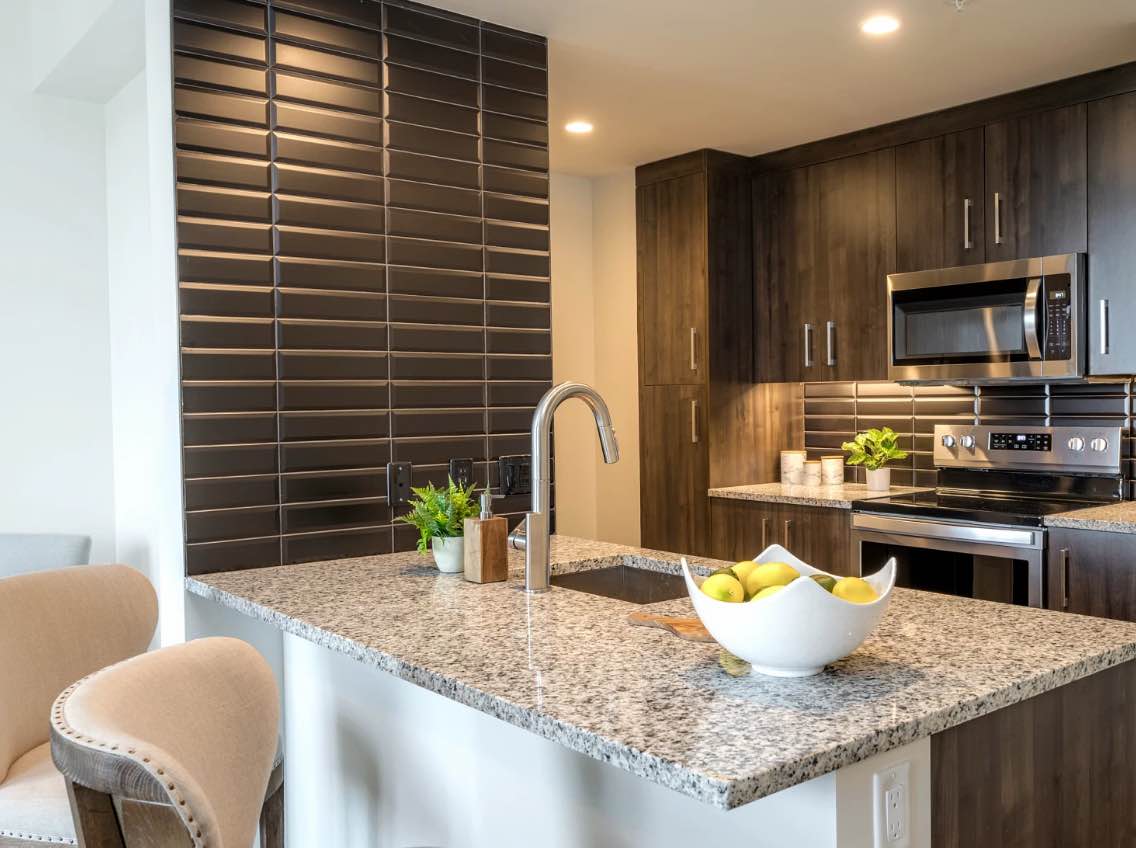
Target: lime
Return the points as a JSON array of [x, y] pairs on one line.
[[826, 581]]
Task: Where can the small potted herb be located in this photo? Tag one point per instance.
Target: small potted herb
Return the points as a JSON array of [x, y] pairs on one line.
[[439, 514], [874, 449]]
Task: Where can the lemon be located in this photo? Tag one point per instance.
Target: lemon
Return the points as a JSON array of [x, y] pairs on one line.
[[723, 587], [742, 569], [767, 591], [826, 581], [770, 574], [855, 590]]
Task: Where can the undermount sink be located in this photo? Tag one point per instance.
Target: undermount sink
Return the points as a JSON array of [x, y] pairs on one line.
[[624, 583]]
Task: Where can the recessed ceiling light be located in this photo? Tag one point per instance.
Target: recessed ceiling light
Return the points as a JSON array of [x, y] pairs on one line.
[[578, 127], [880, 25]]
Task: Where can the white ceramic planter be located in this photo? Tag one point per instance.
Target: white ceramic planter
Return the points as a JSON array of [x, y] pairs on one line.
[[449, 553], [879, 480], [799, 630]]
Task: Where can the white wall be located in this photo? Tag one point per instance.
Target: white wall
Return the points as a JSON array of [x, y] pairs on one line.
[[55, 424], [594, 341]]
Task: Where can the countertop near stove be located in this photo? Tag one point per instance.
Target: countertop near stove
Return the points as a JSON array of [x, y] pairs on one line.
[[834, 497], [1109, 518], [567, 665]]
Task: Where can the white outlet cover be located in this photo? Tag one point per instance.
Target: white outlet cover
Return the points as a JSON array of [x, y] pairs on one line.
[[891, 816]]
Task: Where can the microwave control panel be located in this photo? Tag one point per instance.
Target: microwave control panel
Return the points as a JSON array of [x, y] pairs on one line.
[[1058, 315]]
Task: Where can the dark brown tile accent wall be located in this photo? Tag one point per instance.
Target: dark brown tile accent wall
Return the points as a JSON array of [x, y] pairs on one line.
[[363, 262], [834, 412]]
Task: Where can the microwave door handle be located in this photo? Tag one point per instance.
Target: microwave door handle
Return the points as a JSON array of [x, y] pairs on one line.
[[1029, 319]]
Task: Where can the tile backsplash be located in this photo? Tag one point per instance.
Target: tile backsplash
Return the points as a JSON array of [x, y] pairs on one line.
[[835, 412]]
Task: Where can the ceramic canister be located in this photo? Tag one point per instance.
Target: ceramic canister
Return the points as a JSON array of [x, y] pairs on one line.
[[832, 470], [812, 473], [792, 467]]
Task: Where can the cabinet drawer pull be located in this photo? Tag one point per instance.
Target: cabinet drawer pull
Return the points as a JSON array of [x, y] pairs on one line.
[[764, 533], [997, 217], [808, 345], [694, 436], [1064, 578], [693, 349], [967, 241], [830, 343], [1105, 342], [787, 539]]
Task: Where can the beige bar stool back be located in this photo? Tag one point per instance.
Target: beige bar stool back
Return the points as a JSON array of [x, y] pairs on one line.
[[56, 627], [174, 748]]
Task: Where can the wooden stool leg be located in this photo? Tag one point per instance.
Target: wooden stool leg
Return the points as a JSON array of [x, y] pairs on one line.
[[96, 823], [272, 819]]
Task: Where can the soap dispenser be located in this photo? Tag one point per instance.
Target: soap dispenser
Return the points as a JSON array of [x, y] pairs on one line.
[[486, 557]]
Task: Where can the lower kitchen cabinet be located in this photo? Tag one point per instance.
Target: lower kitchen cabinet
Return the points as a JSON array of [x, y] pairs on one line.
[[821, 536], [675, 470], [1092, 573]]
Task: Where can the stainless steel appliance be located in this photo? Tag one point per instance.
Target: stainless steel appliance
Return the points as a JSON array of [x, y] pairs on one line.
[[1017, 320], [982, 533]]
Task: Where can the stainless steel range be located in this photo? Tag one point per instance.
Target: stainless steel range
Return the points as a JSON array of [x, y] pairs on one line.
[[981, 533]]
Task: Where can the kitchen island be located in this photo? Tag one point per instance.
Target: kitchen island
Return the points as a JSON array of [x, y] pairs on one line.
[[567, 667]]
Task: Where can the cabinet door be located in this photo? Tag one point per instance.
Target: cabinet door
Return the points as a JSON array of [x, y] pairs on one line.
[[674, 469], [1036, 185], [671, 232], [1112, 235], [939, 196], [785, 286], [855, 253], [821, 536], [1092, 573]]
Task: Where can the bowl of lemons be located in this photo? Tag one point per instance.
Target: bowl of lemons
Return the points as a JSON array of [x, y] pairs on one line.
[[786, 618]]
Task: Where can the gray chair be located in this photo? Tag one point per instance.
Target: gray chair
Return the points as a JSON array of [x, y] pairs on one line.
[[23, 552]]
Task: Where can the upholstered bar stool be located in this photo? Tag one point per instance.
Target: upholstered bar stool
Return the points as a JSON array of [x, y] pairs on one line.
[[174, 748], [56, 627]]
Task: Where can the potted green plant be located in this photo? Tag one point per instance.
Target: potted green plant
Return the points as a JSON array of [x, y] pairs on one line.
[[438, 515], [874, 449]]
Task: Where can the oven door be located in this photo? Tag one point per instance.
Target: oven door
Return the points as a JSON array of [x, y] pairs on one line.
[[999, 321], [990, 562]]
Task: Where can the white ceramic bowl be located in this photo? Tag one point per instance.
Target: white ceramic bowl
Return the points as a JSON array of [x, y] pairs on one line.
[[797, 631]]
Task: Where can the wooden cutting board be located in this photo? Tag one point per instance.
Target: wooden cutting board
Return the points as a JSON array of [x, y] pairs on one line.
[[683, 627]]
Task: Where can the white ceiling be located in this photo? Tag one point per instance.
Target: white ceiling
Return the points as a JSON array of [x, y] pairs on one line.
[[660, 77]]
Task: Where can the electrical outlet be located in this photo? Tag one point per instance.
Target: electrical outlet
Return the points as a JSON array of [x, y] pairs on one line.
[[891, 789], [461, 471], [398, 482], [516, 474]]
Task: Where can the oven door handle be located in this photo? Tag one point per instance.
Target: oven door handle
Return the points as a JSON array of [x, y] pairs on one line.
[[1003, 536], [1030, 328]]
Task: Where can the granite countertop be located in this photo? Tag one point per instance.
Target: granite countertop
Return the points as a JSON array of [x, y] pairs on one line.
[[1113, 518], [568, 666], [836, 497]]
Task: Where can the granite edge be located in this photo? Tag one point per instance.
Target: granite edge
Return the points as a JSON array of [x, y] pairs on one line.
[[1070, 521]]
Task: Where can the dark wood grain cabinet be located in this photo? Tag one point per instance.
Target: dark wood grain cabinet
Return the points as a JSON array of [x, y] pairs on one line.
[[1092, 573], [824, 238], [940, 187], [821, 536], [1112, 235], [1036, 185]]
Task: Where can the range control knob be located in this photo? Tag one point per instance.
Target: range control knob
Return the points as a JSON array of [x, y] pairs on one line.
[[1099, 445], [1075, 443], [967, 442], [948, 441]]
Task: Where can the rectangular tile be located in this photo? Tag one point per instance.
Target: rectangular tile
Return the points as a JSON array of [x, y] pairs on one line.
[[227, 365], [438, 366], [330, 455], [331, 365], [214, 169], [436, 395], [220, 106], [230, 203], [198, 38], [511, 315], [330, 244], [433, 198], [213, 73], [353, 12], [431, 113], [431, 57], [434, 254], [321, 182], [511, 102], [211, 234], [437, 423], [516, 393], [333, 485], [421, 337], [212, 137], [402, 165], [513, 75], [336, 95], [438, 451], [222, 332], [525, 237], [435, 226], [341, 424], [228, 428], [332, 335], [522, 263], [518, 288], [313, 547], [511, 420], [434, 142], [429, 27], [515, 209], [219, 524], [203, 266], [436, 311], [348, 39], [305, 518], [232, 556], [222, 492], [229, 13], [330, 274], [506, 181], [228, 396], [520, 367], [323, 63], [322, 213], [329, 153], [421, 83], [229, 460], [225, 301], [325, 122], [333, 394]]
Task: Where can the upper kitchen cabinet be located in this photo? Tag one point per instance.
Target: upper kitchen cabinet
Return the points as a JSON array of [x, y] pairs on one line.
[[1036, 185], [824, 240], [939, 202], [672, 257], [1112, 235]]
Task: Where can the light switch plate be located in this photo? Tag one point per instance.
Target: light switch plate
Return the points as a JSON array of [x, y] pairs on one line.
[[398, 482], [891, 791]]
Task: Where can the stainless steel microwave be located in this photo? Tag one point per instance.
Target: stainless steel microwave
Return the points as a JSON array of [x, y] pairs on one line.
[[1017, 320]]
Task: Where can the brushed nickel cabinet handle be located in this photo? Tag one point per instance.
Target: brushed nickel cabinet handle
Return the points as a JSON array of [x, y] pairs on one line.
[[1064, 578], [808, 345], [967, 241], [694, 435], [830, 343], [764, 533], [997, 217], [788, 531], [1105, 342], [693, 348]]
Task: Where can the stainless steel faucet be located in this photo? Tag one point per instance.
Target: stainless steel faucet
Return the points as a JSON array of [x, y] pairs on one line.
[[531, 536]]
